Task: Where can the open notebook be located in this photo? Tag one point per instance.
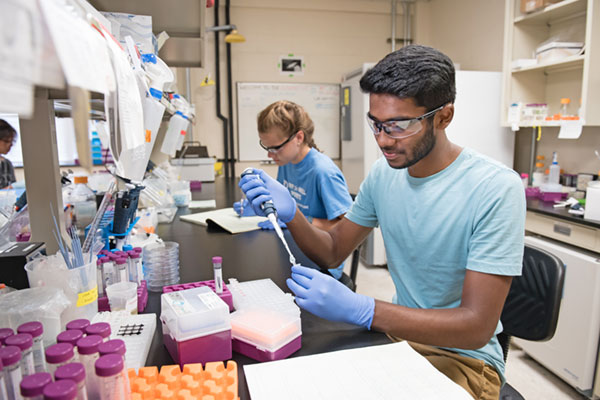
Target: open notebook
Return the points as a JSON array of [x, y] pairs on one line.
[[226, 218]]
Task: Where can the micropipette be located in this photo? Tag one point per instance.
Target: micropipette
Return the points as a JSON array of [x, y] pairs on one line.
[[269, 209]]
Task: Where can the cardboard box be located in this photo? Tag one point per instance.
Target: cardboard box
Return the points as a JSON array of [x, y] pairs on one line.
[[528, 6]]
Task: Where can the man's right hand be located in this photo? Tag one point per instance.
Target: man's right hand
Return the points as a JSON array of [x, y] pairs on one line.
[[259, 187]]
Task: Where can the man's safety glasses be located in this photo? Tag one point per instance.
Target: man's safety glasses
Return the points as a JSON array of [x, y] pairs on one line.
[[400, 128], [275, 149]]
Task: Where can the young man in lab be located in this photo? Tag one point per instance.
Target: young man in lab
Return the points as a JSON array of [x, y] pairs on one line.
[[452, 222]]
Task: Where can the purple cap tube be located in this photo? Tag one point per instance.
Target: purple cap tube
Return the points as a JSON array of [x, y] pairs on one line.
[[59, 353], [101, 329], [23, 341], [34, 328], [71, 336], [73, 371], [4, 333], [61, 390], [89, 344], [109, 365], [33, 385], [114, 346], [10, 355], [79, 324]]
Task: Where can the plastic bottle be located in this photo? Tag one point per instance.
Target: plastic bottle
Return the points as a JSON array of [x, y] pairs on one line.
[[101, 329], [538, 175], [59, 354], [109, 273], [11, 356], [3, 394], [525, 179], [83, 200], [75, 372], [36, 330], [116, 346], [23, 341], [564, 107], [99, 276], [178, 125], [87, 348], [133, 267], [32, 386], [61, 390], [554, 175], [109, 369]]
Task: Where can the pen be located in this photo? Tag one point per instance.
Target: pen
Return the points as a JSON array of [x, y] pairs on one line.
[[218, 274]]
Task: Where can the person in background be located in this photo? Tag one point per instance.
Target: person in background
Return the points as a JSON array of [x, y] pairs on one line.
[[312, 179], [452, 222], [8, 135]]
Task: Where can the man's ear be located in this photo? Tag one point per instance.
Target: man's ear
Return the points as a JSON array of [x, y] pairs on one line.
[[444, 117]]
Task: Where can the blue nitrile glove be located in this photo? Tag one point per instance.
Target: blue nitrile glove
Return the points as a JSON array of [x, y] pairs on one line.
[[248, 211], [328, 298], [260, 187], [268, 226]]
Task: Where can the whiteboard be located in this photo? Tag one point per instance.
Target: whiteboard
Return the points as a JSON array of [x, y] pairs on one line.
[[320, 100]]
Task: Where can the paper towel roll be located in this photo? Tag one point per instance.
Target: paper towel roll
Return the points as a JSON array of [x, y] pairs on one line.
[[592, 201]]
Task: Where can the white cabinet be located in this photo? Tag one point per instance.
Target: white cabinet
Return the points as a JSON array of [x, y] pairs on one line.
[[576, 77]]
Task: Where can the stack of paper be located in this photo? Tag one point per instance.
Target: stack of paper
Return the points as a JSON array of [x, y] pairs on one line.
[[227, 219]]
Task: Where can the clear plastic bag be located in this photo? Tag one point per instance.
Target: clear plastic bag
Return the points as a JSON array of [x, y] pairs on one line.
[[43, 304]]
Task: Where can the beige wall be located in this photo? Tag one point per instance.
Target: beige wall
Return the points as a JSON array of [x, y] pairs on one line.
[[335, 36]]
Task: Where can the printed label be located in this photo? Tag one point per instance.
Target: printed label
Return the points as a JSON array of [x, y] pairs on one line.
[[178, 303], [85, 298], [210, 300]]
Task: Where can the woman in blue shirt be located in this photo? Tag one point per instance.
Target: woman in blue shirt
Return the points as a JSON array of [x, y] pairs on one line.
[[286, 132]]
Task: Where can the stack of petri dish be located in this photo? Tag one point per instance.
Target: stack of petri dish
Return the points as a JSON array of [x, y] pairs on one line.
[[161, 265]]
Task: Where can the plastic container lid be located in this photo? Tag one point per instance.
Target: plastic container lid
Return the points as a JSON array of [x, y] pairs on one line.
[[4, 333], [33, 385], [60, 352], [1, 365], [34, 328], [109, 365], [80, 324], [89, 344], [137, 249], [74, 371], [71, 336], [23, 341], [10, 355], [265, 328], [127, 247], [114, 346], [133, 254], [99, 328], [565, 100], [80, 179], [60, 390], [121, 261], [217, 260], [192, 313]]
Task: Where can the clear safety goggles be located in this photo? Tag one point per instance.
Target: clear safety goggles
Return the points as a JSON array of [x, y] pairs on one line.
[[399, 128]]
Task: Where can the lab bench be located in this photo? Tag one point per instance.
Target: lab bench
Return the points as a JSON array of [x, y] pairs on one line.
[[572, 353], [246, 256]]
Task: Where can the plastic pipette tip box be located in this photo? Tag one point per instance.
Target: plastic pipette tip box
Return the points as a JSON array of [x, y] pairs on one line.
[[264, 334], [142, 294], [215, 381], [196, 326], [225, 295]]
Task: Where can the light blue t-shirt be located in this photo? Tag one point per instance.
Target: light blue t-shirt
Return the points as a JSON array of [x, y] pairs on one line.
[[319, 188], [471, 215]]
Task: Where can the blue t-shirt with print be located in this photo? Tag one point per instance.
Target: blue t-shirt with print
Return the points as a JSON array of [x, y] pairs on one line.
[[469, 216], [319, 188]]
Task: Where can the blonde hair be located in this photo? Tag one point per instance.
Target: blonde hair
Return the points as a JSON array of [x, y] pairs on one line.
[[290, 118]]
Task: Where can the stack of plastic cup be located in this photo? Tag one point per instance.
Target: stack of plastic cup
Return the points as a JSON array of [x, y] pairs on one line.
[[161, 265]]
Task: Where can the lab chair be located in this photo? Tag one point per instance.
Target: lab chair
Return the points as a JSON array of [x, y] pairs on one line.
[[532, 305]]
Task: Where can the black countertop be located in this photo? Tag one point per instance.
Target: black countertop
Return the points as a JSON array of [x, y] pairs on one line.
[[246, 256], [546, 208]]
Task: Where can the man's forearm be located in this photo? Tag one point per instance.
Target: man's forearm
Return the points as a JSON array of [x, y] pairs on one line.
[[316, 243]]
